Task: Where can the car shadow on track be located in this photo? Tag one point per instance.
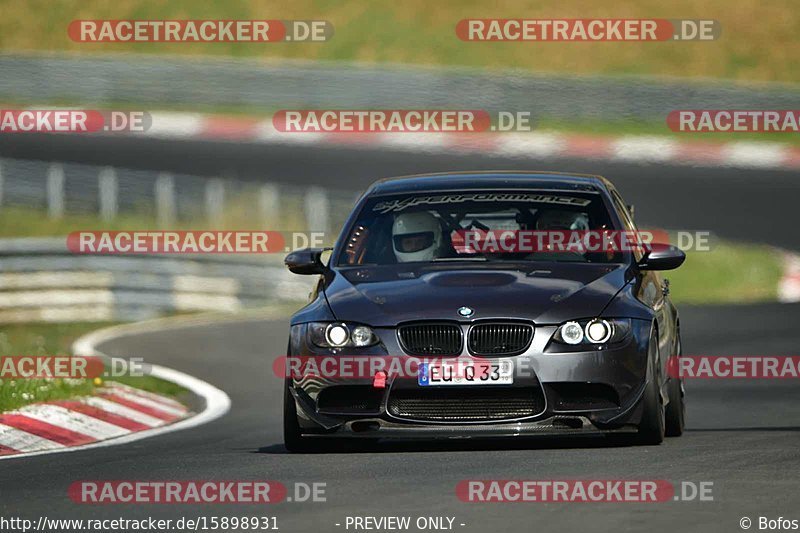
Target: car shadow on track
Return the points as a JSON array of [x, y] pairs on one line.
[[450, 445]]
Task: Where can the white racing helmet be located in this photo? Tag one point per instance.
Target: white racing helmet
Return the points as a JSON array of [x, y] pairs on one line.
[[416, 237]]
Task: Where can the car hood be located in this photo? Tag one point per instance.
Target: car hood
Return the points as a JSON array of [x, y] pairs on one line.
[[388, 295]]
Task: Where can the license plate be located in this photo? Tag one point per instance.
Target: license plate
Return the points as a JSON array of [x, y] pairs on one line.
[[466, 372]]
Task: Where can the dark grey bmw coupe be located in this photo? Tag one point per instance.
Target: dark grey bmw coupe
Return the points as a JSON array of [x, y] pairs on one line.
[[485, 304]]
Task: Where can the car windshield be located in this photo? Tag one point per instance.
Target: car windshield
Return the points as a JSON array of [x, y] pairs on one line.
[[482, 226]]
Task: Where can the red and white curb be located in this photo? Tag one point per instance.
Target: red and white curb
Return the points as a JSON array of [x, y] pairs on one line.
[[118, 414], [789, 286], [632, 148], [116, 411]]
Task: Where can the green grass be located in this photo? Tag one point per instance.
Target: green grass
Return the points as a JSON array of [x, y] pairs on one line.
[[24, 222], [56, 339], [759, 40], [40, 339], [27, 222], [732, 273], [153, 384]]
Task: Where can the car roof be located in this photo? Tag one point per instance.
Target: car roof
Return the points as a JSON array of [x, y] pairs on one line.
[[446, 181]]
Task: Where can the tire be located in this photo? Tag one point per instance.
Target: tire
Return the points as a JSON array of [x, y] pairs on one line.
[[676, 408], [293, 439], [652, 427]]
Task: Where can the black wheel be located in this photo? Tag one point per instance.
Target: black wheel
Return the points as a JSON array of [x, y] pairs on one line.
[[652, 425], [676, 408]]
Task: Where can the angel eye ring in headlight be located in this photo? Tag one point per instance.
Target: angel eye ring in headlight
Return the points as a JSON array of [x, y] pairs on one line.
[[599, 331], [572, 333], [337, 335]]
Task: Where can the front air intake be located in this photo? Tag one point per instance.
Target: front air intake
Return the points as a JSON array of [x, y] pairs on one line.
[[466, 404], [498, 339], [431, 339]]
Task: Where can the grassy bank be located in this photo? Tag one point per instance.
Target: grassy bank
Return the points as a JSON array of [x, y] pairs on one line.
[[238, 215], [732, 273], [56, 339], [759, 41]]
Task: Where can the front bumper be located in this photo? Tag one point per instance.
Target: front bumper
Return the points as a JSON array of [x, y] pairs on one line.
[[573, 392]]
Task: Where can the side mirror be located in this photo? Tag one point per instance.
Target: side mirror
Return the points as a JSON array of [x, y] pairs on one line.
[[306, 261], [662, 257]]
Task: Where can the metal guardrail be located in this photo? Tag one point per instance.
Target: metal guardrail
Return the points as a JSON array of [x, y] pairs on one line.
[[60, 188], [169, 81], [41, 281]]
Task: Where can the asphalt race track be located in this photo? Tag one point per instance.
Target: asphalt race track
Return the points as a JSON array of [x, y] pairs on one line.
[[744, 436]]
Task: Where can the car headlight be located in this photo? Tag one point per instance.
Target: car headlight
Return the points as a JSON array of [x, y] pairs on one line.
[[571, 333], [362, 336], [340, 335], [337, 335], [594, 331], [599, 331]]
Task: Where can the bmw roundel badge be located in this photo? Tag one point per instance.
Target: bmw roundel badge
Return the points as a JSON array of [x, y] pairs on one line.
[[466, 311]]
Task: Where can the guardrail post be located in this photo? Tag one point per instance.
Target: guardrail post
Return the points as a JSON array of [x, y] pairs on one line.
[[107, 185], [165, 199], [317, 209], [55, 191], [215, 200], [269, 203]]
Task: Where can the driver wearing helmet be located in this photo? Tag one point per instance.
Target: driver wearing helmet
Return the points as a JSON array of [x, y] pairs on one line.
[[416, 237], [561, 219]]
